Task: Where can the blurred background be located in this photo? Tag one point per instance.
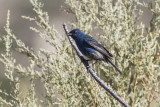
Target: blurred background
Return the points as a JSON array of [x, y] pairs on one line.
[[21, 26], [57, 16], [21, 29]]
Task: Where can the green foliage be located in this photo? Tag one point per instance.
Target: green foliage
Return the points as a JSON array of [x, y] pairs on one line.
[[65, 81]]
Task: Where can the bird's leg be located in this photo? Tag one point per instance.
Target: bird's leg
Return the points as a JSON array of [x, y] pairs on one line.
[[87, 60], [94, 63]]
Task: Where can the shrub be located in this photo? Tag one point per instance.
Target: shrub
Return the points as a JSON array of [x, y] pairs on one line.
[[65, 81]]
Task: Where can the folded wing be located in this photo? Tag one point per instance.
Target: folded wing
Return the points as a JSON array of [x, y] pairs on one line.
[[93, 43]]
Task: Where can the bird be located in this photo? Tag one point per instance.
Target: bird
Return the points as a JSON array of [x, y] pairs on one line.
[[91, 49]]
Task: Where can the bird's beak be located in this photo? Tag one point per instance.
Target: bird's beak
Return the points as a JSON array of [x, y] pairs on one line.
[[69, 34]]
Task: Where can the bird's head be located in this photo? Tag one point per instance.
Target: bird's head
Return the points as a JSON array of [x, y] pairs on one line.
[[76, 34]]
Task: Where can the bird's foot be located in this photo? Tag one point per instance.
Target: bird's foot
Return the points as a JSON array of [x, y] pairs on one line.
[[94, 63]]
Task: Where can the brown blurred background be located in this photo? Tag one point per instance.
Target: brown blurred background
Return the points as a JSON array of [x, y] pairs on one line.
[[21, 29], [21, 26]]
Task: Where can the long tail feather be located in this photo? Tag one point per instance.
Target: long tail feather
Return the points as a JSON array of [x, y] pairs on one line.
[[114, 66]]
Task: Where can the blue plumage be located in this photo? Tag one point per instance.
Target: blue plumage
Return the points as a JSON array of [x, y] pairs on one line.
[[90, 48]]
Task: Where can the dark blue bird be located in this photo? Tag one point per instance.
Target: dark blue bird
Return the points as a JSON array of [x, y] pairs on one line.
[[90, 48]]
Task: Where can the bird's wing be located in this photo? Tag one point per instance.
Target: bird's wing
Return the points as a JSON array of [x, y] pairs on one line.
[[93, 43]]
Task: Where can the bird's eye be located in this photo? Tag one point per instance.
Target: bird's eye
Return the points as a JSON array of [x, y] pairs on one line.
[[75, 32]]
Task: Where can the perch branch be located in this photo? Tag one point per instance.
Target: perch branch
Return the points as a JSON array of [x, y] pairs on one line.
[[90, 70]]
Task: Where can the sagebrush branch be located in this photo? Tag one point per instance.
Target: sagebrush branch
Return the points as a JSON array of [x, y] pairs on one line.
[[91, 71]]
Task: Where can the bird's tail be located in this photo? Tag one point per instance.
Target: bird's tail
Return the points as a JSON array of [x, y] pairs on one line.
[[114, 66]]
